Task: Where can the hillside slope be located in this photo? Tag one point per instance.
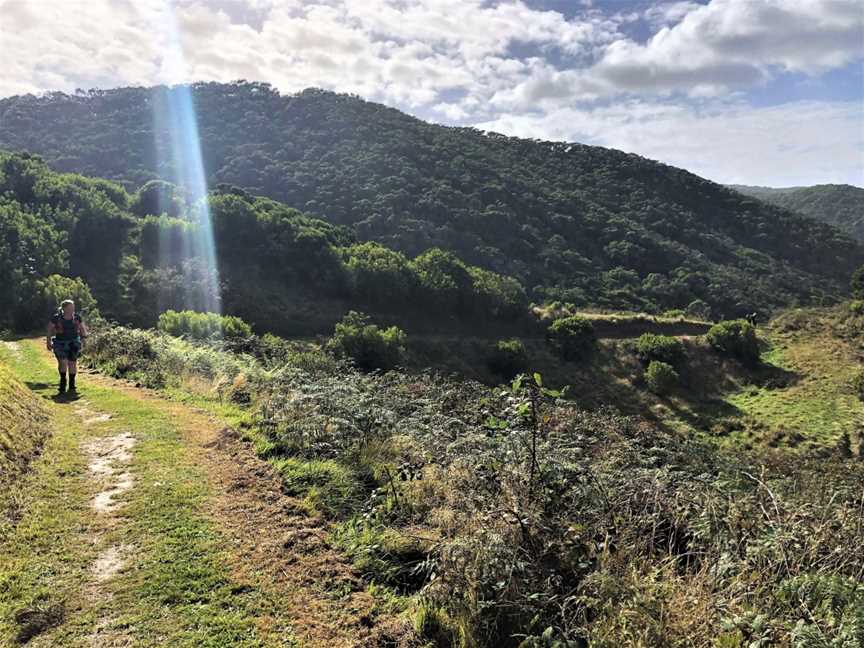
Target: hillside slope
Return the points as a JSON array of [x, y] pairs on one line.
[[839, 205], [581, 223]]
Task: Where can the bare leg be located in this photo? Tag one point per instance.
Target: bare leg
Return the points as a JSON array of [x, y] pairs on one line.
[[73, 372], [61, 368]]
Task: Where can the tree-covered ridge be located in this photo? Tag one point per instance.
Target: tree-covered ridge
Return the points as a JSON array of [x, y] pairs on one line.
[[584, 224], [838, 205], [279, 269]]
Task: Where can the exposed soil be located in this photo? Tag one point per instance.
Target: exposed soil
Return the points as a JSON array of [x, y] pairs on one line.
[[108, 460]]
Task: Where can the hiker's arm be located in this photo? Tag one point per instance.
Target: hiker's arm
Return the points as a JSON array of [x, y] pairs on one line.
[[48, 336], [84, 331]]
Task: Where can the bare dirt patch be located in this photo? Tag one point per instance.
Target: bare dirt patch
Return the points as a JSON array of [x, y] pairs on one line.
[[99, 418], [110, 562]]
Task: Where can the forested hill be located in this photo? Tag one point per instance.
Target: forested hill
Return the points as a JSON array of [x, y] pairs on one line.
[[836, 204], [580, 223]]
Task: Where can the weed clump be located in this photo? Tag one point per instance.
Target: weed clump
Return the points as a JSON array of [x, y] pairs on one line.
[[203, 326]]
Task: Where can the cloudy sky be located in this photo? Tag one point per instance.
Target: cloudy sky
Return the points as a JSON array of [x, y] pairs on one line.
[[753, 91]]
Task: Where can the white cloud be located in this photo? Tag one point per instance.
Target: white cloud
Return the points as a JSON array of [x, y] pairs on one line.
[[455, 60], [797, 143], [668, 13], [738, 43], [392, 50]]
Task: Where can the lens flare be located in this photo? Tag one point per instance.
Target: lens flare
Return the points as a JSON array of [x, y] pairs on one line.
[[178, 148]]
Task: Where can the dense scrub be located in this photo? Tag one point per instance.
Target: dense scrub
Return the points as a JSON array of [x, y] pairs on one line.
[[505, 517], [572, 222], [278, 269]]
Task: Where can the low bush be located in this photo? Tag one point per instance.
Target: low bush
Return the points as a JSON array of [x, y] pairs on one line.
[[369, 346], [508, 358], [663, 348], [203, 326], [736, 338], [572, 337], [661, 377]]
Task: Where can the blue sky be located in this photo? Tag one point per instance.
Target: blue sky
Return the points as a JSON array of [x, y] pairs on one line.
[[764, 92]]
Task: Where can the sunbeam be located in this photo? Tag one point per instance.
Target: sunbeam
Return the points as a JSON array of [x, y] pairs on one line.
[[180, 161]]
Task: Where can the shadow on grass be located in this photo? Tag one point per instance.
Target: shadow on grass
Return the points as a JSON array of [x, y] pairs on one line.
[[48, 391], [771, 376]]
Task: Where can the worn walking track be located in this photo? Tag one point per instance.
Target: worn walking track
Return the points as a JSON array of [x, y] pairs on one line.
[[147, 522]]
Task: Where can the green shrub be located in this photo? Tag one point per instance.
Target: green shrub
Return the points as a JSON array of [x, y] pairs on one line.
[[664, 348], [857, 283], [736, 338], [508, 358], [856, 307], [203, 326], [53, 289], [698, 309], [661, 377], [675, 313], [368, 345], [572, 337]]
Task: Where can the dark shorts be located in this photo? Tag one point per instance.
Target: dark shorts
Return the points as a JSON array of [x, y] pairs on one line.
[[67, 349]]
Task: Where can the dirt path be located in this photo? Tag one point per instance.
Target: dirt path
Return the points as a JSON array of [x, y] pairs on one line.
[[179, 525], [273, 539]]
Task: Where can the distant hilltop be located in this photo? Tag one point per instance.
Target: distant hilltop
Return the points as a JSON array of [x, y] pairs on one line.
[[840, 205]]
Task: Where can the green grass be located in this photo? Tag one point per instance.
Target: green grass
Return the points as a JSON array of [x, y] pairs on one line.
[[177, 589], [818, 405]]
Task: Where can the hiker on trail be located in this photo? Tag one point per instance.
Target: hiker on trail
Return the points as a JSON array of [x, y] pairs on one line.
[[66, 331]]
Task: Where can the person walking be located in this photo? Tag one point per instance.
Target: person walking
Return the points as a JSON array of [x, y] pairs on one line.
[[66, 333]]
